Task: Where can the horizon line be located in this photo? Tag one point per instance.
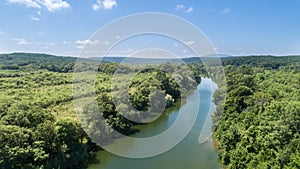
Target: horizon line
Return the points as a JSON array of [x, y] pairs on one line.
[[221, 55]]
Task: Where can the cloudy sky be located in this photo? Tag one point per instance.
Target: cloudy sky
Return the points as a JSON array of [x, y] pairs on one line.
[[63, 27]]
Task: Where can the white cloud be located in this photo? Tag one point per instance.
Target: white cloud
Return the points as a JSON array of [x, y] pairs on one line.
[[86, 42], [90, 42], [190, 43], [51, 5], [21, 41], [97, 5], [34, 18], [66, 42], [82, 43], [190, 9], [109, 4], [184, 8], [225, 11], [27, 3], [105, 4], [80, 46], [184, 51], [180, 6]]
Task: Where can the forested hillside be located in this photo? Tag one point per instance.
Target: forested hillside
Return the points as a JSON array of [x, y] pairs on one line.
[[32, 61], [267, 62], [260, 125]]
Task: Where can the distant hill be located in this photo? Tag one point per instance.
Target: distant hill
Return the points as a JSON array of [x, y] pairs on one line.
[[273, 62], [16, 61], [26, 58], [136, 60]]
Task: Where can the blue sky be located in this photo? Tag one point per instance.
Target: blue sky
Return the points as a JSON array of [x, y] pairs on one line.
[[234, 27]]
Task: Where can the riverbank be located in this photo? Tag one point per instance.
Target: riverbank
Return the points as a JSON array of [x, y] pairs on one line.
[[187, 154]]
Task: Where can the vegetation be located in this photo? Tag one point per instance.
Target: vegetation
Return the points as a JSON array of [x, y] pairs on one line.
[[267, 62], [150, 88], [38, 124], [260, 125]]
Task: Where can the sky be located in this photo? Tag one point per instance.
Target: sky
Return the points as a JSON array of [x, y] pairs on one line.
[[234, 27]]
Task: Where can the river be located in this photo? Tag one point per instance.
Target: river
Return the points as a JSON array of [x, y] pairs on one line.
[[188, 154]]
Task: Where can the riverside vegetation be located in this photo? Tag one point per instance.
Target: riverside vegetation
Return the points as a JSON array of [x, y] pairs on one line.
[[38, 125], [259, 127]]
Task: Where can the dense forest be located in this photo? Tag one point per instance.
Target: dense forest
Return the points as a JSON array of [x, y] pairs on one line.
[[259, 127], [38, 123]]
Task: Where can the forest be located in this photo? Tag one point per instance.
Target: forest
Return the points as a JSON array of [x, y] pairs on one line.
[[259, 127], [38, 124]]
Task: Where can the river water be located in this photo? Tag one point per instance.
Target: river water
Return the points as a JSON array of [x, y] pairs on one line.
[[188, 154]]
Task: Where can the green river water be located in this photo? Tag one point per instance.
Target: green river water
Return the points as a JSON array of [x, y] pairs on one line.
[[188, 154]]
